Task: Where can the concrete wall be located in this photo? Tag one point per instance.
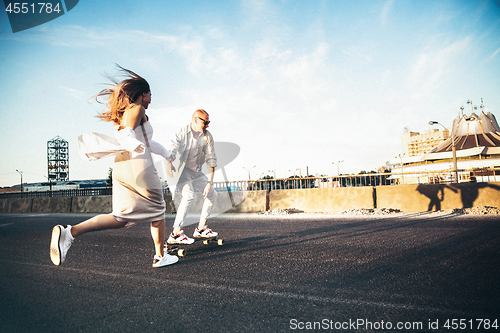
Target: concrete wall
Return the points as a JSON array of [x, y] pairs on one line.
[[236, 202], [322, 199], [407, 198], [251, 202], [49, 205], [91, 204], [432, 197], [233, 202], [16, 205]]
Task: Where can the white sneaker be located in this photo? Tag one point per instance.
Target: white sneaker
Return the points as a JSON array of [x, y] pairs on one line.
[[167, 259], [205, 233], [60, 243], [180, 238]]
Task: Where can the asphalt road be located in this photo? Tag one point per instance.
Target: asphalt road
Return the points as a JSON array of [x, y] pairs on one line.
[[402, 273]]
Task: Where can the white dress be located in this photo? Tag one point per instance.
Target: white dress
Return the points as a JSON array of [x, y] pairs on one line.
[[137, 190]]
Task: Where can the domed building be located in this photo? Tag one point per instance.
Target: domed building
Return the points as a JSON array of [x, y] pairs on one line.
[[470, 151], [474, 132]]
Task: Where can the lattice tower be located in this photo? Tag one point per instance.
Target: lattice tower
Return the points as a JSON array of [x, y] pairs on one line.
[[58, 159]]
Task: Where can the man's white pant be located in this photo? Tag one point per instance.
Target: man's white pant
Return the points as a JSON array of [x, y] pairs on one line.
[[189, 182]]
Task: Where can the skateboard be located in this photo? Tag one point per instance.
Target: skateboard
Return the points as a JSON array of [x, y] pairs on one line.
[[181, 249]]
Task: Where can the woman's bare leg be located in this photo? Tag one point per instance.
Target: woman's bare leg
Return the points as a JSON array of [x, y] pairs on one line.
[[99, 222], [158, 234]]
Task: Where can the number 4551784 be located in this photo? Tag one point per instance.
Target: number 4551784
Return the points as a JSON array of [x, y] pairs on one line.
[[24, 8], [479, 324]]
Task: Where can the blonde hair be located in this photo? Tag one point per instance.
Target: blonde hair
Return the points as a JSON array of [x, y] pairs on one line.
[[122, 95]]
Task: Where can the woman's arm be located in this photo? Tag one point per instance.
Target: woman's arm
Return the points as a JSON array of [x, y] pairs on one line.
[[126, 135], [134, 116]]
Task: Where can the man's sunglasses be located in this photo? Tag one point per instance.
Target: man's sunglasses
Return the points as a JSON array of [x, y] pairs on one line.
[[206, 122]]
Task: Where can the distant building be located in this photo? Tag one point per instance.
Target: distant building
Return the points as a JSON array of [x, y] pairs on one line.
[[58, 185], [414, 143], [428, 157]]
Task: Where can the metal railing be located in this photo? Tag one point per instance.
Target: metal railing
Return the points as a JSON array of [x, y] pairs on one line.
[[305, 183], [368, 179], [60, 193]]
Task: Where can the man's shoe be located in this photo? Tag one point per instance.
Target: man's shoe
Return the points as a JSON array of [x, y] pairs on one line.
[[60, 243], [167, 259], [180, 238], [204, 233]]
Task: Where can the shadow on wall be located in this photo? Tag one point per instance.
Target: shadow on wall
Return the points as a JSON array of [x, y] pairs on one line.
[[469, 192], [435, 193]]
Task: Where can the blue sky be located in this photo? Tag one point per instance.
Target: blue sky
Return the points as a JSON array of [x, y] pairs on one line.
[[295, 84]]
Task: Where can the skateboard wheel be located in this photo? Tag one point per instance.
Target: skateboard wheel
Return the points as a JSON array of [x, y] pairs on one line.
[[181, 252], [220, 241], [206, 242]]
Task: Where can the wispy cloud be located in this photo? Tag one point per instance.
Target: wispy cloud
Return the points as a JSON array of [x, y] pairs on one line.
[[431, 67], [78, 94], [75, 36], [494, 54], [384, 14]]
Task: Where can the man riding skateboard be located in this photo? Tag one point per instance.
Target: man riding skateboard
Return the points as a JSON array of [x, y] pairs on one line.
[[195, 145]]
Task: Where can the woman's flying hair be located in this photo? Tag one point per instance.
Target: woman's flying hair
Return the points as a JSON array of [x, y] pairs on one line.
[[122, 94]]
